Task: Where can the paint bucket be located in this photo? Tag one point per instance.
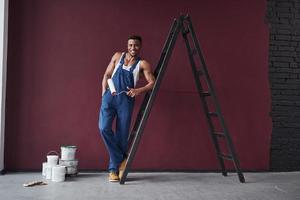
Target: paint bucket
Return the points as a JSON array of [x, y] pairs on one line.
[[68, 152], [71, 166], [48, 172], [68, 163], [72, 170], [58, 173], [52, 159], [44, 168]]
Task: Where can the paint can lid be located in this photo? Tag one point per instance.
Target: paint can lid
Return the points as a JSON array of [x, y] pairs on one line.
[[68, 146]]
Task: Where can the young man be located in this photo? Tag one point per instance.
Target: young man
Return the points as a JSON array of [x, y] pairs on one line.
[[124, 69]]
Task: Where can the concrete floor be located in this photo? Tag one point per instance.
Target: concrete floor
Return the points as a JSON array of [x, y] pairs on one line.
[[152, 186]]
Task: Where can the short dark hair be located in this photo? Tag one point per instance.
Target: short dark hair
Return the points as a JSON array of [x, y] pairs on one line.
[[135, 37]]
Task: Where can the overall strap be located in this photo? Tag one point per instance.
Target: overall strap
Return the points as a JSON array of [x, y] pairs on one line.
[[132, 68], [122, 60]]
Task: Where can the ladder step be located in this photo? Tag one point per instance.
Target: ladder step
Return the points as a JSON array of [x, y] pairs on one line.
[[227, 157], [205, 94], [219, 134], [213, 114]]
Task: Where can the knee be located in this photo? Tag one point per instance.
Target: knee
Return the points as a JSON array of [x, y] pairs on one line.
[[102, 125], [104, 130]]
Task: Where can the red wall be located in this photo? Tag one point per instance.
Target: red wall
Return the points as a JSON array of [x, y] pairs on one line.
[[58, 51]]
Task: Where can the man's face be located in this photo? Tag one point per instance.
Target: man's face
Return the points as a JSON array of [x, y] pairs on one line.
[[133, 47]]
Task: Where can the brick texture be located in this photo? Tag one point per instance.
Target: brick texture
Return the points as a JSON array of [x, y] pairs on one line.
[[283, 17]]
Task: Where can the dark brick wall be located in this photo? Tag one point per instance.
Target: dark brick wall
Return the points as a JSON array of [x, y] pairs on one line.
[[284, 63]]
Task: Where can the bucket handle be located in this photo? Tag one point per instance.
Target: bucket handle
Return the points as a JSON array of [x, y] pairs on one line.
[[52, 152]]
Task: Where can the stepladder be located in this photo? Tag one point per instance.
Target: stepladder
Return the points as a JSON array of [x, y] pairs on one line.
[[217, 128]]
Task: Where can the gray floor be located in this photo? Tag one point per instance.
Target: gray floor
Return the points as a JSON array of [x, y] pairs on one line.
[[173, 186]]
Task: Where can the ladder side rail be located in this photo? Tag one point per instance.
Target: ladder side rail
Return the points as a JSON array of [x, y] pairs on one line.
[[166, 46], [147, 95], [216, 103], [208, 79], [145, 116], [204, 103], [138, 119]]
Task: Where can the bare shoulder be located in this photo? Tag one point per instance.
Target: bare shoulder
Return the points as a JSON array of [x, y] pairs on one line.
[[145, 65], [117, 56]]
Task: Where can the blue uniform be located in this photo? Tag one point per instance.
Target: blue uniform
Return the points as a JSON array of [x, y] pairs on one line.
[[119, 107]]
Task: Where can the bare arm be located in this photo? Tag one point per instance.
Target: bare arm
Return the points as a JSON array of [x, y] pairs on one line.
[[149, 78], [109, 70]]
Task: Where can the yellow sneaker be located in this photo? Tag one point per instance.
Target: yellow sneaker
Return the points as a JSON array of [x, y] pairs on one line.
[[113, 177], [122, 168]]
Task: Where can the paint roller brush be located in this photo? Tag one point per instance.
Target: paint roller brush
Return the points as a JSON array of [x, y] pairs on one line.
[[113, 89]]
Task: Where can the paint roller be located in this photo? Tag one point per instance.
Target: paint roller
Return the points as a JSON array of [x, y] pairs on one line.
[[112, 87]]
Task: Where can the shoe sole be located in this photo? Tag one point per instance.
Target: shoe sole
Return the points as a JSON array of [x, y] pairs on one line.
[[113, 180]]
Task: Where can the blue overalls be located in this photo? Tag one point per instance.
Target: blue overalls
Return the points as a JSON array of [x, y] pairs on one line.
[[121, 107]]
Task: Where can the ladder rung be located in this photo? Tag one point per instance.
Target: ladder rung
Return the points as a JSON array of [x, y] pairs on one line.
[[219, 134], [205, 94], [227, 157], [213, 114]]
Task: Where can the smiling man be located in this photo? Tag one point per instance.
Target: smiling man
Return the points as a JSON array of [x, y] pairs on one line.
[[124, 69]]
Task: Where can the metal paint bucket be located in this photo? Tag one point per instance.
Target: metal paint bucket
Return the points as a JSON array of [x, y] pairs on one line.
[[71, 166], [44, 168], [68, 152], [58, 173], [72, 170], [48, 172]]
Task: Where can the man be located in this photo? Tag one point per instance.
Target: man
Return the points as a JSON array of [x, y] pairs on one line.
[[124, 69]]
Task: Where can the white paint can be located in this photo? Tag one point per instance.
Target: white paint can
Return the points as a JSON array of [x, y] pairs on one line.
[[44, 168], [72, 170], [71, 166], [58, 173], [68, 163], [52, 159], [68, 152], [48, 172]]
